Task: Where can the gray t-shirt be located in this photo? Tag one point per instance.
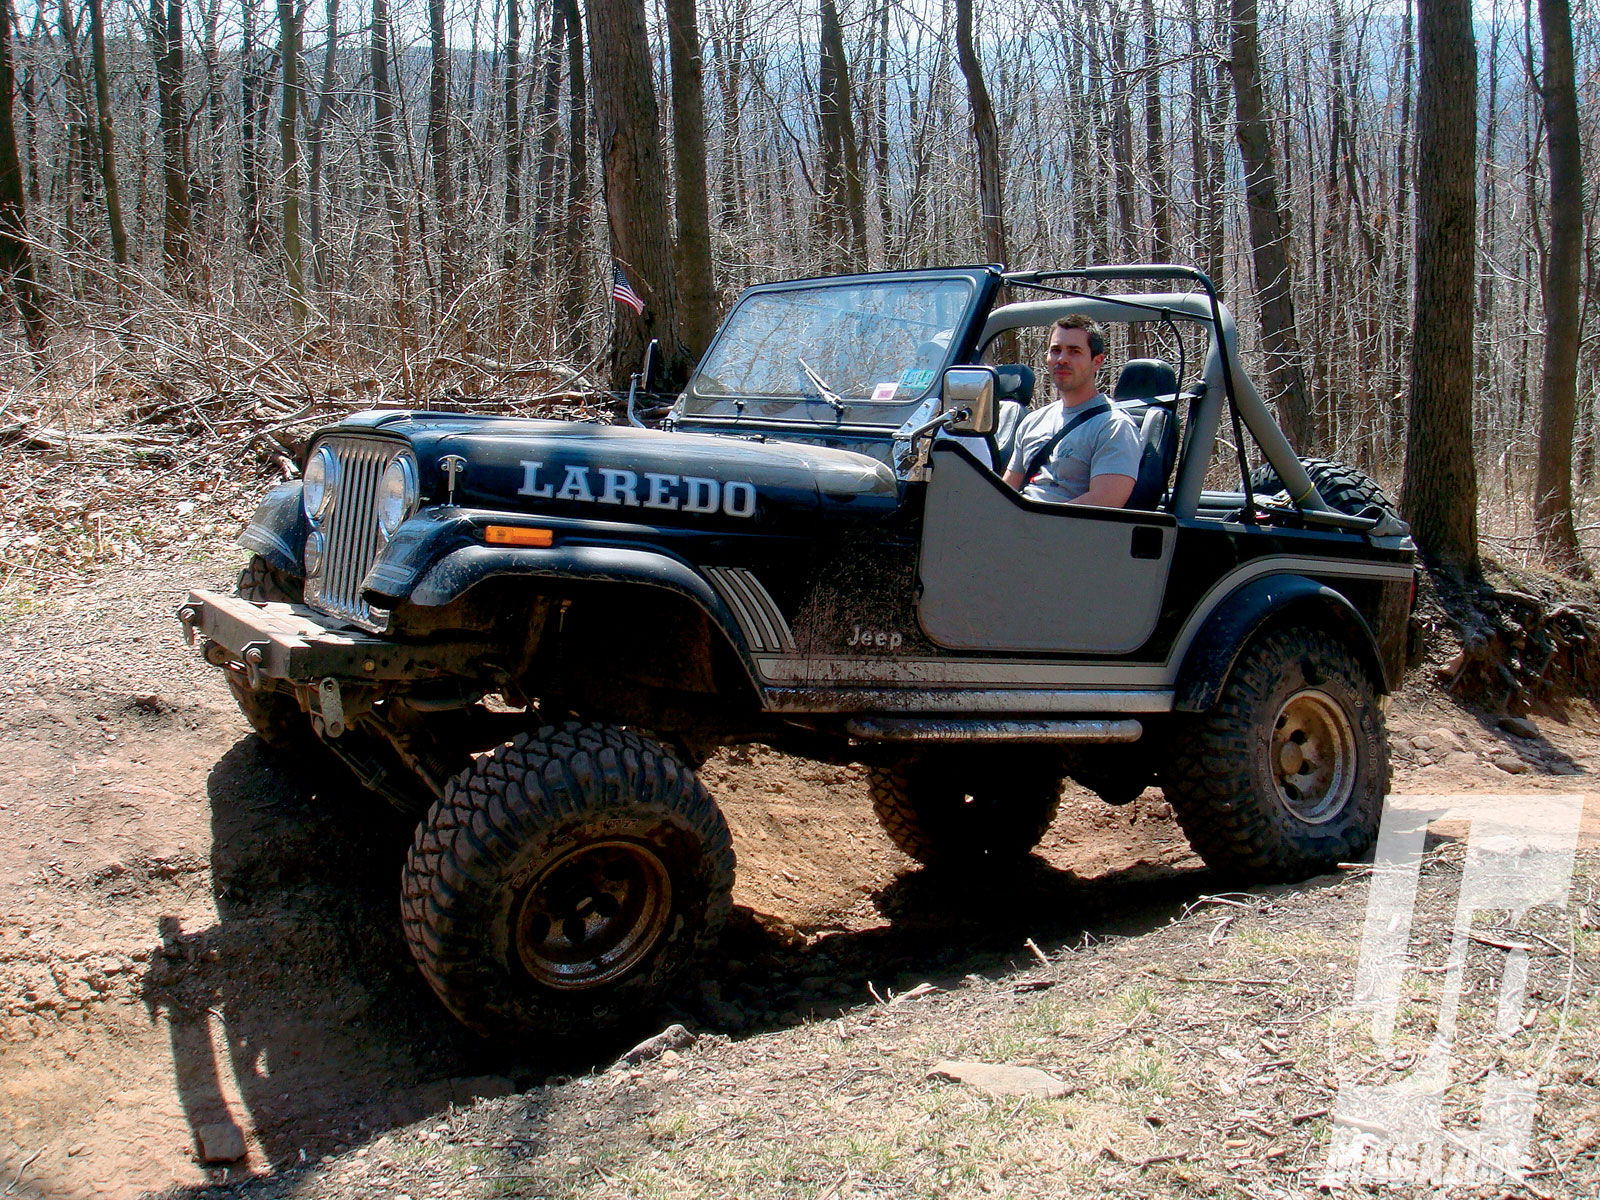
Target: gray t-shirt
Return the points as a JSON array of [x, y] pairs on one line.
[[1107, 444]]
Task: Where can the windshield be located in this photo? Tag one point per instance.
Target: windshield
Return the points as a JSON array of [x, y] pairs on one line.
[[879, 341]]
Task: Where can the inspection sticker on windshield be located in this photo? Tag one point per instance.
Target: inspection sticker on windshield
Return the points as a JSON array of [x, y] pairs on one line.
[[885, 391], [916, 377]]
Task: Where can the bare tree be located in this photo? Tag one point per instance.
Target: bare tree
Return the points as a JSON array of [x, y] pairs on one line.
[[1155, 143], [315, 137], [841, 207], [578, 190], [166, 42], [1440, 492], [636, 187], [991, 201], [697, 287], [1558, 535], [511, 133], [16, 257], [1269, 232], [288, 118], [439, 146], [108, 140]]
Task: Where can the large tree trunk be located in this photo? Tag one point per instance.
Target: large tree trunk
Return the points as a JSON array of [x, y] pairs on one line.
[[289, 52], [636, 189], [16, 260], [697, 288], [108, 141], [166, 43], [985, 132], [1559, 385], [1269, 234], [1440, 492]]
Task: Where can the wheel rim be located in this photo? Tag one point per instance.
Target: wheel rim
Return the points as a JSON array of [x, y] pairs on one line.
[[1313, 757], [592, 915]]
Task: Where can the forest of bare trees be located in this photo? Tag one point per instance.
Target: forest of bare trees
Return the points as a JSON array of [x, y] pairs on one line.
[[425, 198]]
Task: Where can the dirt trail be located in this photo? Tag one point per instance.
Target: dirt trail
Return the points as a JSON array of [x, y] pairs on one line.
[[195, 932]]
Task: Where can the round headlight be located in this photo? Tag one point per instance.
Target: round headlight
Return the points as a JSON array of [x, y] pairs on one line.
[[316, 546], [397, 494], [321, 484]]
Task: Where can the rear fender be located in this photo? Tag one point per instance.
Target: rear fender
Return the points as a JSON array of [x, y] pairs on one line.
[[1273, 600], [277, 532]]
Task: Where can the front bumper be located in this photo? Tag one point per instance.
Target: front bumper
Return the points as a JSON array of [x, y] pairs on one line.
[[292, 643]]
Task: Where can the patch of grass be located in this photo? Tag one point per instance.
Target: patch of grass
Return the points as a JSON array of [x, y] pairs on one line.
[[1147, 1070], [1137, 1000], [670, 1127]]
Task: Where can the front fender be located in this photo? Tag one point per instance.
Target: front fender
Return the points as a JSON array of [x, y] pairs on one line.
[[1246, 611], [277, 532], [460, 570]]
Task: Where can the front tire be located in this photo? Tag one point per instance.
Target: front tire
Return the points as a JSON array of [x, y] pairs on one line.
[[564, 880], [1285, 777], [966, 810]]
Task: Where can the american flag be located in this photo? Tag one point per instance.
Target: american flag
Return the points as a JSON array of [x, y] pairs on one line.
[[622, 291]]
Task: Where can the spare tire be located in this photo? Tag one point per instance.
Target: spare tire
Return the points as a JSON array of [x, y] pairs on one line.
[[1343, 488]]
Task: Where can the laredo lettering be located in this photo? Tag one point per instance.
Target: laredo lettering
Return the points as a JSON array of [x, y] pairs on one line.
[[576, 485], [530, 482], [670, 493], [621, 487], [746, 503], [656, 495], [700, 495]]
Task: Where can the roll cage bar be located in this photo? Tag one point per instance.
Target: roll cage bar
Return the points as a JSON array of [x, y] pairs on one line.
[[1244, 402]]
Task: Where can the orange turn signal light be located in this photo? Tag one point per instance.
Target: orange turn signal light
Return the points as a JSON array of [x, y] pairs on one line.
[[517, 535]]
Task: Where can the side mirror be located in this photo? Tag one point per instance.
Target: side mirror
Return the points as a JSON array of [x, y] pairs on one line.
[[652, 361], [971, 389]]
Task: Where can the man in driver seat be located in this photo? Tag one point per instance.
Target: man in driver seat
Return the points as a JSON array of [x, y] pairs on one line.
[[1082, 450]]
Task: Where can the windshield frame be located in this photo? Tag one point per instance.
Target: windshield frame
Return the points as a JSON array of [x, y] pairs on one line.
[[815, 410]]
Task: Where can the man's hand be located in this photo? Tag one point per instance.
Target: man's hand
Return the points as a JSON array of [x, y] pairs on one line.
[[1014, 480], [1106, 491]]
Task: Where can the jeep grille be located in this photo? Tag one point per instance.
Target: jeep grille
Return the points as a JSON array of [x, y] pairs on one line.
[[351, 532]]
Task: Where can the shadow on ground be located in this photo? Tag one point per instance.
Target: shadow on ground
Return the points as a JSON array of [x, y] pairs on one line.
[[300, 1015]]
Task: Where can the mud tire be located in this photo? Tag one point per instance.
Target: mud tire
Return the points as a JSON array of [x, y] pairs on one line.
[[964, 810], [1344, 488], [1229, 778], [590, 821], [275, 716]]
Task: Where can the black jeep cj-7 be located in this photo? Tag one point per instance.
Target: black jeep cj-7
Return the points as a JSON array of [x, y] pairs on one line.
[[530, 633]]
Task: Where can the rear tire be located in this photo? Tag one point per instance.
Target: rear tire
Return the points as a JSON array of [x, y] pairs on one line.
[[275, 716], [1285, 777], [564, 880], [961, 809]]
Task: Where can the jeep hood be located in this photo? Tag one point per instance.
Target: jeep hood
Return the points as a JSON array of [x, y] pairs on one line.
[[639, 476]]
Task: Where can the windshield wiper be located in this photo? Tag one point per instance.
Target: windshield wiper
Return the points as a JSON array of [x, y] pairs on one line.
[[823, 390]]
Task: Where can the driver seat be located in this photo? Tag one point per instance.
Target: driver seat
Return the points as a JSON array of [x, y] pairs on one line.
[[1146, 390], [1015, 398]]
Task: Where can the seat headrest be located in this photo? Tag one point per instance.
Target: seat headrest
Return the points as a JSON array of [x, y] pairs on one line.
[[1141, 378], [1016, 383]]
